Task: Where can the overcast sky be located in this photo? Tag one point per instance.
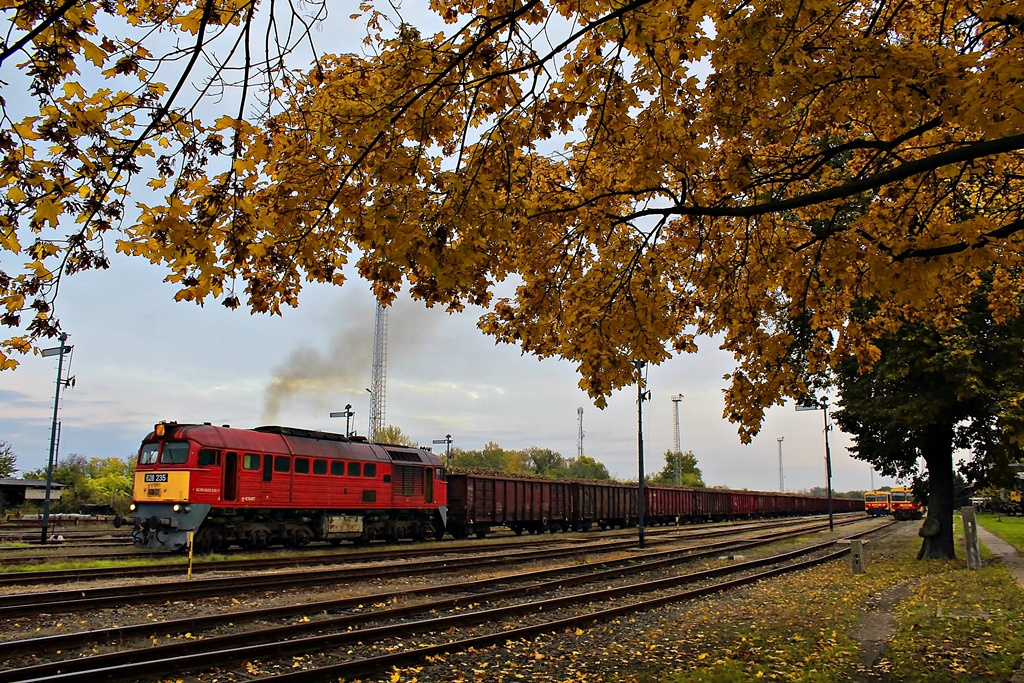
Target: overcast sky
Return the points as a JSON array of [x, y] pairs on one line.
[[139, 358]]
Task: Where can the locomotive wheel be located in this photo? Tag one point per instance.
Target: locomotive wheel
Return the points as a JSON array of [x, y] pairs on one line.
[[260, 538], [301, 537]]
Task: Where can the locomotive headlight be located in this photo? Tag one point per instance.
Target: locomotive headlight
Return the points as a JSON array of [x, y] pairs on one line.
[[131, 507], [176, 507]]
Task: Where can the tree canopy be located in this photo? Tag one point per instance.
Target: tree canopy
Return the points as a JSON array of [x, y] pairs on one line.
[[931, 392], [680, 470], [8, 460], [641, 173], [91, 480]]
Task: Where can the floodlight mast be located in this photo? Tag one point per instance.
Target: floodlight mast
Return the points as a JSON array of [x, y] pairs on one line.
[[676, 399]]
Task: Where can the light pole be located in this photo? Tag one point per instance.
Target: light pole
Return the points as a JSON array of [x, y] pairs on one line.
[[61, 382], [348, 414], [811, 403], [641, 396], [782, 485]]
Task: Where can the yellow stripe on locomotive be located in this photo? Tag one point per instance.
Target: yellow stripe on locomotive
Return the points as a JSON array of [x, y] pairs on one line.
[[161, 486]]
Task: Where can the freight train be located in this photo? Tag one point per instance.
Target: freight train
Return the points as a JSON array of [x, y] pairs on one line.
[[285, 486]]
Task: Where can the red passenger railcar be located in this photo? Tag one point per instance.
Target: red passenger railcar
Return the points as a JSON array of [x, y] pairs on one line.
[[270, 485], [479, 501]]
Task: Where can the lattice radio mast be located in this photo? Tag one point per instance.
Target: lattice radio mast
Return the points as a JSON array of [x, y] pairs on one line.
[[378, 376]]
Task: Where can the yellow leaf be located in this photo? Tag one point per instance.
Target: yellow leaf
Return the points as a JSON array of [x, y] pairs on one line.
[[93, 53]]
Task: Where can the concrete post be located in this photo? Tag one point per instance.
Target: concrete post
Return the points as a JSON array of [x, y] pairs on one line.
[[970, 518], [857, 553]]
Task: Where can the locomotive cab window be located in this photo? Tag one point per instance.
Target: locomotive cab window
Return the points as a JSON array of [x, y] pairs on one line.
[[319, 467], [301, 465], [149, 453], [353, 469], [208, 457], [175, 453], [282, 463], [337, 468], [369, 470], [250, 461]]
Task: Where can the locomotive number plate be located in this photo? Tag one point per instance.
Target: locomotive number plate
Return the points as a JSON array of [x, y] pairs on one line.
[[156, 477]]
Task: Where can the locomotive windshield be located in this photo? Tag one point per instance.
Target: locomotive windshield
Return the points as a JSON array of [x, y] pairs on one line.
[[175, 453], [148, 454]]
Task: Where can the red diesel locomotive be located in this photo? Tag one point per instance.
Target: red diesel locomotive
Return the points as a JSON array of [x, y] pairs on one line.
[[279, 485]]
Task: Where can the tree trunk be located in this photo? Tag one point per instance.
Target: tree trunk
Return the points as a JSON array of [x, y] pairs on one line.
[[937, 530]]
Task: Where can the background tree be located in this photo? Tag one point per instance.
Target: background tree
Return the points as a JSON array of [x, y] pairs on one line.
[[96, 481], [683, 464], [492, 456], [933, 391], [8, 461], [586, 467], [394, 435], [545, 462]]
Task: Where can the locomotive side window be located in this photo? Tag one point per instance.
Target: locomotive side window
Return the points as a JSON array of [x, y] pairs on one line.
[[175, 453], [268, 467], [250, 461], [369, 470], [149, 453], [282, 463], [353, 469], [319, 467], [208, 457], [337, 468], [301, 465]]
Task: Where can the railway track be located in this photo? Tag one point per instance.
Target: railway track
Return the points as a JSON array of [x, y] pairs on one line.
[[177, 564], [514, 597], [85, 599]]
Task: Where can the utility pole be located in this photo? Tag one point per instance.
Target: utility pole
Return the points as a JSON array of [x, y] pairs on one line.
[[676, 399], [579, 438], [811, 403], [378, 378], [641, 396], [782, 485]]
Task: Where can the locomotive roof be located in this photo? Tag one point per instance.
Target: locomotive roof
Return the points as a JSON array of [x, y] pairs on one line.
[[295, 441]]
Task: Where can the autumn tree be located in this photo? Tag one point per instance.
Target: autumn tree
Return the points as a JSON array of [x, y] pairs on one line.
[[645, 173], [91, 481], [8, 460], [393, 434], [492, 456], [934, 391], [680, 470]]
